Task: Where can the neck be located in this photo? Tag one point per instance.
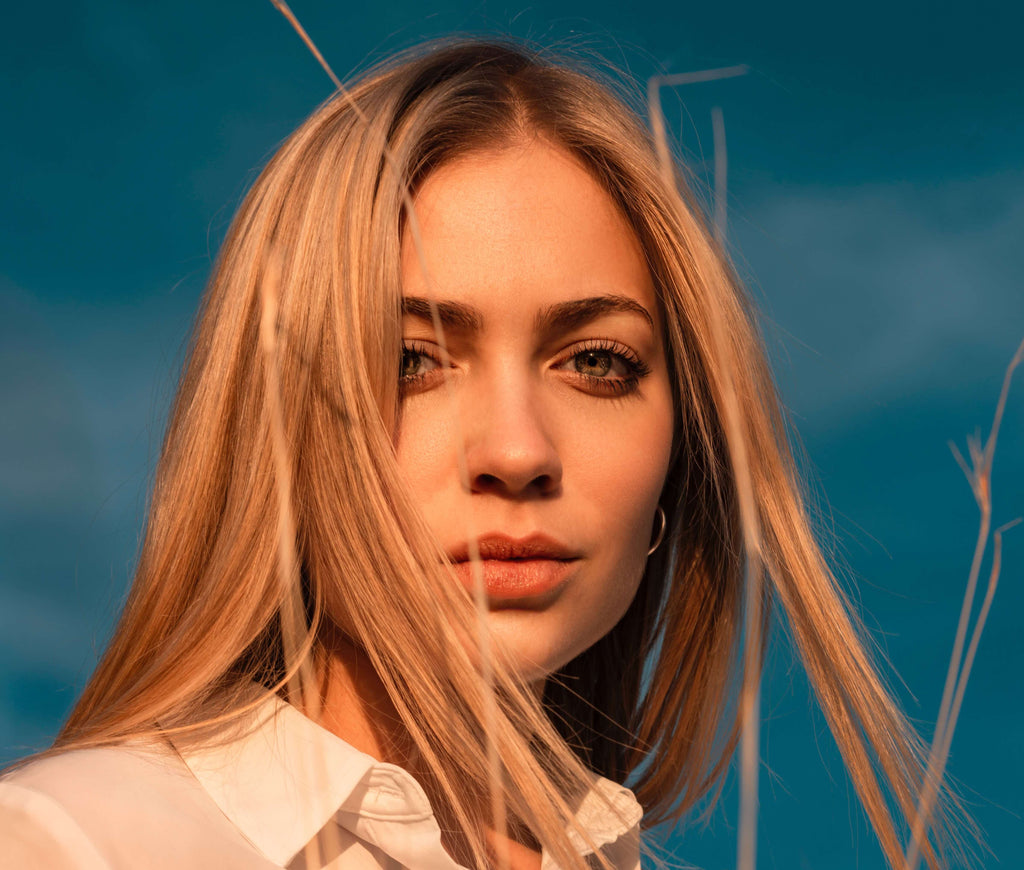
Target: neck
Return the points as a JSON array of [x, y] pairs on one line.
[[357, 708]]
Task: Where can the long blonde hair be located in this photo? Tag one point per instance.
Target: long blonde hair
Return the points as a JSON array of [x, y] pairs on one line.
[[655, 699]]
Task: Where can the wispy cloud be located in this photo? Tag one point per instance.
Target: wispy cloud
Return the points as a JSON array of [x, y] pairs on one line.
[[879, 290]]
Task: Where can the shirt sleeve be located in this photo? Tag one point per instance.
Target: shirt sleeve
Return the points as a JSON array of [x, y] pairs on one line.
[[36, 831]]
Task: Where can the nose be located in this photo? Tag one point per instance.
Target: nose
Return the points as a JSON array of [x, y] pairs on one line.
[[509, 448]]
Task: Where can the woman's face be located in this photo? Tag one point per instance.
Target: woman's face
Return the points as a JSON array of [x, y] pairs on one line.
[[545, 439]]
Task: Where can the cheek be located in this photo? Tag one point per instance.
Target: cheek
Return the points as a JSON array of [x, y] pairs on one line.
[[620, 480], [624, 469], [425, 450]]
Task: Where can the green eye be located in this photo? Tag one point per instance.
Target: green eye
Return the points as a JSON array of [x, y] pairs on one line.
[[595, 363], [416, 365], [603, 366], [411, 363]]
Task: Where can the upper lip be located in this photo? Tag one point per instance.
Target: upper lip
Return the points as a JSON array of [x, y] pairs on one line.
[[502, 547]]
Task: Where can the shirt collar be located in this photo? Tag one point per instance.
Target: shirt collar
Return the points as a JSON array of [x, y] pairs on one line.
[[281, 780], [285, 777]]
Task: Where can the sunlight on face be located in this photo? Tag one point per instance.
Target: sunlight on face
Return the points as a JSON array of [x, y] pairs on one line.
[[557, 391]]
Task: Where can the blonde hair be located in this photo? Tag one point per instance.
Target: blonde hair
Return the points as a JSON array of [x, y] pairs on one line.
[[655, 699]]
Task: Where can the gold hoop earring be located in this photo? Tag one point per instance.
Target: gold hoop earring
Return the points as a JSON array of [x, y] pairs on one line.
[[661, 531]]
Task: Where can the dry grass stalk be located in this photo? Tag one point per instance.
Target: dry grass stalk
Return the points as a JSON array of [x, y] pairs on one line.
[[294, 628], [750, 692], [499, 812], [499, 815], [721, 174], [295, 633], [979, 475], [656, 117]]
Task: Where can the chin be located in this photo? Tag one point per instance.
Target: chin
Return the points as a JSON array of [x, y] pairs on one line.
[[533, 652]]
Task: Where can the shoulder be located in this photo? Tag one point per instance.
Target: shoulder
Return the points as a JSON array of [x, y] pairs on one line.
[[109, 808], [53, 809], [117, 780], [66, 772], [36, 831]]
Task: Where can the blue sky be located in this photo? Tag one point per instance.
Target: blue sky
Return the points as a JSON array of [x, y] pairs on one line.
[[876, 211]]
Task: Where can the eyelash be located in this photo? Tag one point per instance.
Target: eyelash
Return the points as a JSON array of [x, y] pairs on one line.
[[635, 367], [406, 382]]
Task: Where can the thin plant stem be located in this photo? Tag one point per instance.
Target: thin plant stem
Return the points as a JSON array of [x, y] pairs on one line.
[[979, 476], [295, 633], [732, 416], [704, 75], [656, 117], [721, 173], [499, 816]]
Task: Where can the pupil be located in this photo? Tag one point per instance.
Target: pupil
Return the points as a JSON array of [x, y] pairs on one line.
[[410, 363], [594, 362]]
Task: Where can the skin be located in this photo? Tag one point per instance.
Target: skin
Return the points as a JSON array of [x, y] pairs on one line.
[[513, 427], [566, 430]]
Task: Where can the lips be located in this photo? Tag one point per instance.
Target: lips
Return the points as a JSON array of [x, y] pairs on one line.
[[516, 570], [504, 548]]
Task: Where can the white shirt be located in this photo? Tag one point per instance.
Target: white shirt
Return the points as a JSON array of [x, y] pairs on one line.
[[251, 804]]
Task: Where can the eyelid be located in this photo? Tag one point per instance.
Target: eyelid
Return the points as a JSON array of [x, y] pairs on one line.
[[608, 345], [617, 386], [429, 351], [421, 346]]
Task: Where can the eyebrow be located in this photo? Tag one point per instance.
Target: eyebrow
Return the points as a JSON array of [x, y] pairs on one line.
[[568, 315], [563, 316], [453, 315]]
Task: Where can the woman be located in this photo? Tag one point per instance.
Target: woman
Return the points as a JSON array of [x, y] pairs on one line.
[[425, 613]]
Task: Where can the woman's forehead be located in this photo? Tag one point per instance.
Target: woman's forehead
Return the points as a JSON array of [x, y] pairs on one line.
[[526, 226]]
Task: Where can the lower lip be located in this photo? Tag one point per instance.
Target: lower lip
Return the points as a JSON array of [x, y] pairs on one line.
[[515, 579]]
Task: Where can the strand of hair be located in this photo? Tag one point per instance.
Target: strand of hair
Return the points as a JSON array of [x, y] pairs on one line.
[[750, 692], [499, 814]]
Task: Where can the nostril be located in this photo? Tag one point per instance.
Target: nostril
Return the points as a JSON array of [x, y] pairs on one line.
[[545, 484], [487, 481], [540, 485], [509, 458]]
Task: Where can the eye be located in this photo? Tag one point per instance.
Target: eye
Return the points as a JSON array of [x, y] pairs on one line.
[[595, 363], [603, 366], [416, 364]]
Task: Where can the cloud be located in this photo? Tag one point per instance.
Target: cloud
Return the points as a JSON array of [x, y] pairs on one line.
[[879, 290], [46, 456]]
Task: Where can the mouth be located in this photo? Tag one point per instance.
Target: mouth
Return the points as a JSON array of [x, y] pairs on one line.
[[516, 571]]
